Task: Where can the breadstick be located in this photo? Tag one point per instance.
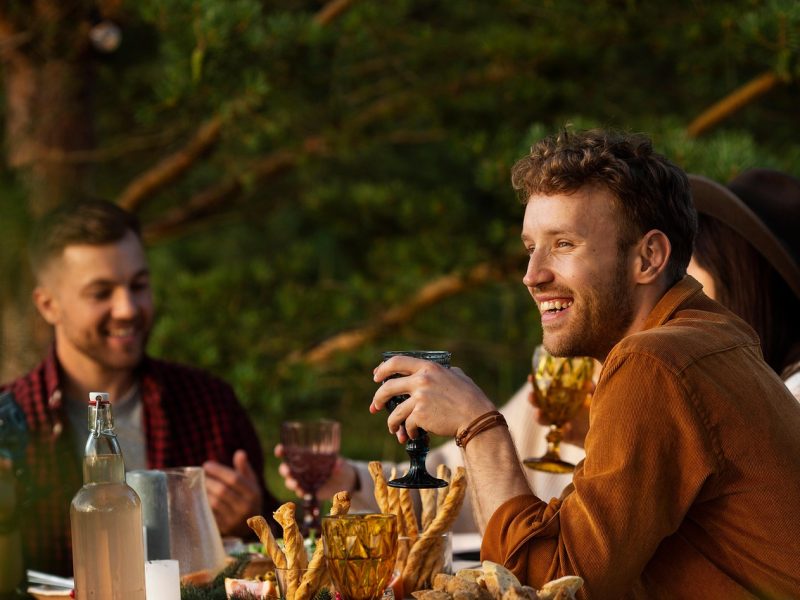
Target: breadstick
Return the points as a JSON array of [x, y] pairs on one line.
[[261, 528], [394, 508], [412, 571], [407, 514], [381, 493], [434, 562], [442, 472], [428, 497], [394, 503], [341, 504], [296, 557], [316, 566], [448, 511]]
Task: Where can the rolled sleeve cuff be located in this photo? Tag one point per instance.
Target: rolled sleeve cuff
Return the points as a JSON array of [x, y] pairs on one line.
[[513, 526]]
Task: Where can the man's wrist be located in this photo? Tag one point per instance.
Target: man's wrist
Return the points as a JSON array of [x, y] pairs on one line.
[[484, 422]]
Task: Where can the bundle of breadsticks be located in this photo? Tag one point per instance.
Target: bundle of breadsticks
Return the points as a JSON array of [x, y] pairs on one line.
[[423, 556], [304, 576]]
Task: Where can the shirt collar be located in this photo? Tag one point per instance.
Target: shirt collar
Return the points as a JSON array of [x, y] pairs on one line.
[[54, 385], [672, 300]]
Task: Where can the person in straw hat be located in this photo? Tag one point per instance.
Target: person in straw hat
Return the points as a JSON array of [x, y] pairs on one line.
[[747, 256]]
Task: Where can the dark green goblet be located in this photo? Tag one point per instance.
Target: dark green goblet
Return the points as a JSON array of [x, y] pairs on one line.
[[417, 448]]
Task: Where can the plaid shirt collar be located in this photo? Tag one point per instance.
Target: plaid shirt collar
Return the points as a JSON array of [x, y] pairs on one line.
[[51, 415]]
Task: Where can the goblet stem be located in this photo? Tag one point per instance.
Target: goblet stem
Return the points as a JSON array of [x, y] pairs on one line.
[[551, 460], [311, 520], [554, 437]]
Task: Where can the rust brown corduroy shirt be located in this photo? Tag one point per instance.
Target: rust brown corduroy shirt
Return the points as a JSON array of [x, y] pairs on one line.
[[691, 483]]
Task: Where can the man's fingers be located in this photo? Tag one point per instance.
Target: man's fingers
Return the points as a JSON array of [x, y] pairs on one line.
[[278, 451], [289, 481], [399, 415], [227, 477], [402, 435], [389, 389], [411, 427], [397, 365], [243, 467], [221, 502]]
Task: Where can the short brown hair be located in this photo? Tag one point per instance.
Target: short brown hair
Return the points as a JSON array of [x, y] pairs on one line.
[[652, 192], [92, 222]]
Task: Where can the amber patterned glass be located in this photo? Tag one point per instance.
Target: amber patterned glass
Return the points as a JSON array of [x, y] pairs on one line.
[[360, 551], [561, 386]]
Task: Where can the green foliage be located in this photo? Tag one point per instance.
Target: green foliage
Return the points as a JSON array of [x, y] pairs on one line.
[[418, 109], [215, 590], [323, 594], [424, 106]]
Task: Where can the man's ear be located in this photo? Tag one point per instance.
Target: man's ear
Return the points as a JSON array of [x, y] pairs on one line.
[[46, 304], [652, 255]]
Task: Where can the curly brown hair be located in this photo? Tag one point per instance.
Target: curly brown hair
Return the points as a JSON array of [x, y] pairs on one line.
[[651, 191]]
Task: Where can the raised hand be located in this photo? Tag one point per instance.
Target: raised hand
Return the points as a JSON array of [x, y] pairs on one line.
[[343, 478], [233, 493]]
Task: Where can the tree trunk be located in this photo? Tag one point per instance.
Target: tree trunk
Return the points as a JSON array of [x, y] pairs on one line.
[[47, 65]]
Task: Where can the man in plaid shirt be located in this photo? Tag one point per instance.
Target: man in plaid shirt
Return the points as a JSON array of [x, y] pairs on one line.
[[93, 288]]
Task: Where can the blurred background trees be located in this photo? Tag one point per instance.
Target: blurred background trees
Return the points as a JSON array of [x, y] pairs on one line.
[[320, 181]]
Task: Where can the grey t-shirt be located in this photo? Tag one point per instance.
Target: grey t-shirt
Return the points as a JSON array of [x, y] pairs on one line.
[[128, 426]]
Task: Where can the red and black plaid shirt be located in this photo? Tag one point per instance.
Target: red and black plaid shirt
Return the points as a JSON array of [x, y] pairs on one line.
[[189, 417]]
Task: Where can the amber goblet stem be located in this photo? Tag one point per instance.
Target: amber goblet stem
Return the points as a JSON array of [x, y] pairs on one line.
[[554, 437]]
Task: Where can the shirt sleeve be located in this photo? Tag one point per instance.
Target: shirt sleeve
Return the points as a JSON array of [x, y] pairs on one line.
[[648, 456]]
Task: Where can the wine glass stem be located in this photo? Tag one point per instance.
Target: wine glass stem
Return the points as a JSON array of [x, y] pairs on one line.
[[417, 450], [554, 437], [310, 515]]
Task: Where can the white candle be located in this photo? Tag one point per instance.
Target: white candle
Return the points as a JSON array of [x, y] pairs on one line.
[[162, 581]]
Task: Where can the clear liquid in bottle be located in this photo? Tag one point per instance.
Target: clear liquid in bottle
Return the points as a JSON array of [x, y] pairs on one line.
[[106, 519]]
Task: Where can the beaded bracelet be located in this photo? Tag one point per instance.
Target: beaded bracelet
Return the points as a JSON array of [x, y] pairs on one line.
[[483, 423]]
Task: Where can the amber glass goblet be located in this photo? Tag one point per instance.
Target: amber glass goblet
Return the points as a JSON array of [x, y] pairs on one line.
[[360, 551], [417, 448], [561, 386]]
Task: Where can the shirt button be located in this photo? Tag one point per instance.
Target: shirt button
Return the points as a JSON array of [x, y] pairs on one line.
[[55, 400]]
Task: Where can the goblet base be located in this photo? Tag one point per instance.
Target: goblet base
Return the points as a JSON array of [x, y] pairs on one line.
[[415, 481], [550, 463]]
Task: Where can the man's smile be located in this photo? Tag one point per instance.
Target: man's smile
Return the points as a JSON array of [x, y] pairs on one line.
[[554, 305]]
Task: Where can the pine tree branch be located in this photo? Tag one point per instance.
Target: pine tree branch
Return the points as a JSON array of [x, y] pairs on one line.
[[216, 198], [171, 167], [213, 199], [331, 11], [430, 294], [731, 103]]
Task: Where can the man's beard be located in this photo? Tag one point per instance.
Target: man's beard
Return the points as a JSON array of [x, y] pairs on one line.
[[606, 316], [117, 360]]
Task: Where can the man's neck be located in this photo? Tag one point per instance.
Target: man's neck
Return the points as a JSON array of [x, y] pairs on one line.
[[645, 300], [82, 376]]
